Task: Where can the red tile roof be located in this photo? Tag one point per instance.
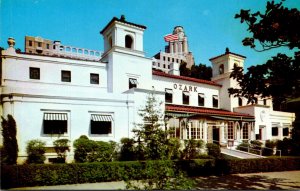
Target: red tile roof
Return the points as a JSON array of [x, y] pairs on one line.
[[228, 53], [163, 74], [205, 111]]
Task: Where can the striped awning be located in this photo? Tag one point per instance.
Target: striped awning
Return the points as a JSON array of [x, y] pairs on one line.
[[55, 116], [98, 117], [234, 118]]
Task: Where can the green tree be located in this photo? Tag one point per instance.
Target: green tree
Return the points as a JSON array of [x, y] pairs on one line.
[[192, 148], [200, 71], [61, 147], [36, 151], [150, 135], [128, 149], [152, 139], [279, 77], [10, 145]]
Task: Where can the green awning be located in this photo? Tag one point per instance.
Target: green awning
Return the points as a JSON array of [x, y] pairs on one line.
[[233, 118], [179, 115]]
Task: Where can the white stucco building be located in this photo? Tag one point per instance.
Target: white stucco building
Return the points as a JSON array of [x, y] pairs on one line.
[[53, 97]]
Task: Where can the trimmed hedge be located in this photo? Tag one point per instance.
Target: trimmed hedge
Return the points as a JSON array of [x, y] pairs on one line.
[[58, 174]]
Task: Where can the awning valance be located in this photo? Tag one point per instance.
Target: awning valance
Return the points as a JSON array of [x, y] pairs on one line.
[[186, 93], [133, 81], [169, 91], [233, 118], [98, 117], [179, 115], [55, 116]]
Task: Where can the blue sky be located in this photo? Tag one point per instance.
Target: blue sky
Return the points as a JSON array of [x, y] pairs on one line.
[[209, 24]]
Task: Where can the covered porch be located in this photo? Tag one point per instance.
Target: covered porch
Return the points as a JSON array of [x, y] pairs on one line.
[[210, 125]]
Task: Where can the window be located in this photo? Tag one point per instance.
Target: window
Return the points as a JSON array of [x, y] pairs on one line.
[[101, 124], [221, 69], [55, 123], [94, 78], [132, 83], [240, 101], [265, 101], [230, 133], [158, 64], [39, 44], [286, 131], [215, 101], [169, 67], [164, 66], [34, 73], [245, 131], [185, 98], [48, 46], [65, 76], [274, 131], [128, 42], [169, 96], [30, 43], [172, 132], [164, 58], [200, 99]]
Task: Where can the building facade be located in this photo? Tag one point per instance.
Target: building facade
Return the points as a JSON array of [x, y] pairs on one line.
[[177, 51], [62, 96]]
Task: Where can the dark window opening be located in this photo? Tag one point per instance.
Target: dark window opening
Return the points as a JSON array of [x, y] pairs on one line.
[[30, 43], [101, 127], [48, 46], [221, 69], [128, 42], [65, 76], [240, 101], [265, 101], [169, 96], [132, 83], [215, 101], [186, 98], [285, 131], [200, 99], [39, 44], [55, 127], [94, 78], [34, 73], [274, 131]]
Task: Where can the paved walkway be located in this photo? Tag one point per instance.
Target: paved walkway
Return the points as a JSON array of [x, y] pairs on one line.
[[287, 180], [240, 154]]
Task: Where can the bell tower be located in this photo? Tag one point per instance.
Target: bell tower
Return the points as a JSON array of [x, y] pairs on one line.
[[127, 66], [222, 66], [124, 36]]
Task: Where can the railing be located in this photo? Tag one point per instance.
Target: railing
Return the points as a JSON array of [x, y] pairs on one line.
[[250, 149]]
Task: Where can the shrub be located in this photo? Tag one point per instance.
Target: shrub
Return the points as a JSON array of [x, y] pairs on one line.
[[213, 150], [93, 151], [243, 147], [192, 148], [174, 148], [10, 149], [285, 146], [61, 146], [128, 150], [256, 144], [36, 151], [269, 150]]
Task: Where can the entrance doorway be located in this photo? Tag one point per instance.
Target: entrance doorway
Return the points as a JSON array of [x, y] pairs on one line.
[[216, 135]]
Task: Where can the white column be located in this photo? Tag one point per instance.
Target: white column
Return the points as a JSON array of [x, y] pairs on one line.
[[180, 47], [171, 44], [175, 47], [185, 46], [204, 125]]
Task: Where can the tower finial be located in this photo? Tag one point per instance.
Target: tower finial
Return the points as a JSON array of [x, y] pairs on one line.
[[11, 42], [227, 50], [122, 18]]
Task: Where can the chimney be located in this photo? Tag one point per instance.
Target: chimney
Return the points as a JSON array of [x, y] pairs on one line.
[[174, 69]]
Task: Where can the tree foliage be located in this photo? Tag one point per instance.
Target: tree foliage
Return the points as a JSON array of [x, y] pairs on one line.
[[61, 147], [200, 71], [279, 77], [36, 151], [9, 153], [87, 150]]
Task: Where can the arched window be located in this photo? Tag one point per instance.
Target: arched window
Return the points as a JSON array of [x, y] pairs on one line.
[[128, 42], [221, 69]]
